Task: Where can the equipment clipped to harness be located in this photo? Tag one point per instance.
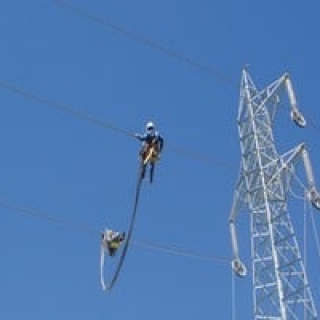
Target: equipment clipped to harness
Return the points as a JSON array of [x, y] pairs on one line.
[[150, 156], [111, 243]]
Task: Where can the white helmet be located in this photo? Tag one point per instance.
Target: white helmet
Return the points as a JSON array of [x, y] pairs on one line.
[[108, 234], [150, 126]]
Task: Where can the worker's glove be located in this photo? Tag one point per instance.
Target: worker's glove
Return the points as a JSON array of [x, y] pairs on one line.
[[137, 135]]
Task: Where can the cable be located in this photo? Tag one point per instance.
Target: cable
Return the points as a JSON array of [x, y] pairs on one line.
[[233, 296], [109, 286], [43, 215], [200, 157], [300, 183], [308, 204], [305, 242], [155, 46], [315, 232], [179, 252], [101, 123], [147, 42], [311, 212], [66, 109], [84, 228]]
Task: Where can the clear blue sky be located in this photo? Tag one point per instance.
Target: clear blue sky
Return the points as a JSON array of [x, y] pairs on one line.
[[79, 172]]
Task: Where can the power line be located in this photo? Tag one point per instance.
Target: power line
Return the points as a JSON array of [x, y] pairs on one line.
[[50, 218], [156, 46], [164, 50], [103, 124], [145, 41], [201, 157], [64, 108], [84, 228], [180, 252]]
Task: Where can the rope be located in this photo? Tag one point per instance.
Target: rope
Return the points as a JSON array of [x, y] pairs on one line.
[[109, 286]]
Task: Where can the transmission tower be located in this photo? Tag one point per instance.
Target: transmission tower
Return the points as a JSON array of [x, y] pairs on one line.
[[281, 289]]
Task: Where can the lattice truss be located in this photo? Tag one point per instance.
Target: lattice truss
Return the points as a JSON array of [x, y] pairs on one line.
[[280, 285]]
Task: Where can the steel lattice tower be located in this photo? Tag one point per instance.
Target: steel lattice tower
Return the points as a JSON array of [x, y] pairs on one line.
[[280, 286]]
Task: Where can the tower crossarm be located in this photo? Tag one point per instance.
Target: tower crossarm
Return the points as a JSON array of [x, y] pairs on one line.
[[270, 96], [288, 160]]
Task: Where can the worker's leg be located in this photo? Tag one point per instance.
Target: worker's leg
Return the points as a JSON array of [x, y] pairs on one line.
[[151, 171]]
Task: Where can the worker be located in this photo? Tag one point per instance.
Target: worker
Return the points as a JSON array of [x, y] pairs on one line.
[[150, 139], [112, 240]]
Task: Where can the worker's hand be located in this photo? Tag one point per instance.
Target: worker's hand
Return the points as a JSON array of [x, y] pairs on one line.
[[137, 135]]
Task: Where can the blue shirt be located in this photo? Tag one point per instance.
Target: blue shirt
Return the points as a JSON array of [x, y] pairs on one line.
[[152, 137]]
